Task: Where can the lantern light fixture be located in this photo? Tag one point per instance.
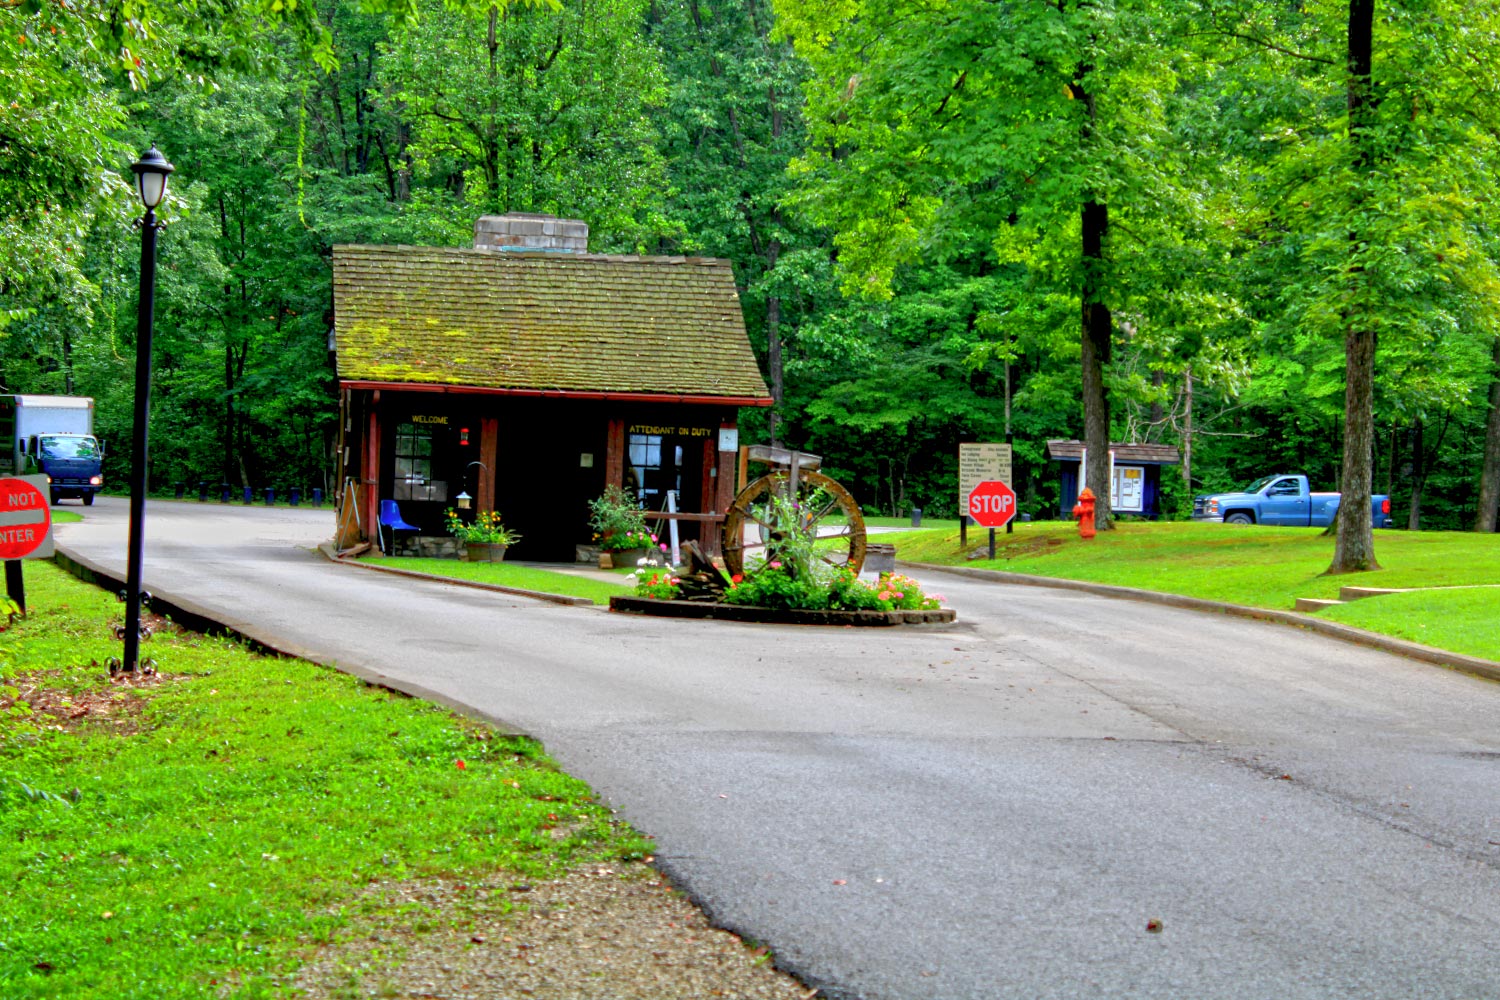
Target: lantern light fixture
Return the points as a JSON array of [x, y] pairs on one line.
[[151, 172]]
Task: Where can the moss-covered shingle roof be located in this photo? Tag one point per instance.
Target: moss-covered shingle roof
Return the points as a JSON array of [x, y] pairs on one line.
[[541, 321]]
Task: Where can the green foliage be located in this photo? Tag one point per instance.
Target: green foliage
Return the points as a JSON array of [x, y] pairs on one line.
[[618, 521], [896, 184]]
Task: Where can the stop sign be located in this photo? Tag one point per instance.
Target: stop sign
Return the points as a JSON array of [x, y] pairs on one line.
[[992, 503], [25, 519]]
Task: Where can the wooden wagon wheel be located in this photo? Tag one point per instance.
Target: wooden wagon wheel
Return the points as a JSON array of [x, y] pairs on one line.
[[827, 510]]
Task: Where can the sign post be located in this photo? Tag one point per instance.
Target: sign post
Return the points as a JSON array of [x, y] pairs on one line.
[[992, 504], [977, 463], [25, 529]]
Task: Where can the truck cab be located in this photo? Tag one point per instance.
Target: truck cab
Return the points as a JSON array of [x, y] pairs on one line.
[[72, 464]]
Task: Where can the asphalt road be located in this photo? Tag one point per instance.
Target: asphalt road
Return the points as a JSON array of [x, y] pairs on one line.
[[990, 810]]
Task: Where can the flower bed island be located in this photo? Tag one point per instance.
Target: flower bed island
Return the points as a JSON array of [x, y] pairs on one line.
[[796, 583]]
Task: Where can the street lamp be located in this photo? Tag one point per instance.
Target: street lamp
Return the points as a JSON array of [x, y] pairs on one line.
[[151, 172]]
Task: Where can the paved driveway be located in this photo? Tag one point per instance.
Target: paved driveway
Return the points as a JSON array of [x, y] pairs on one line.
[[990, 810]]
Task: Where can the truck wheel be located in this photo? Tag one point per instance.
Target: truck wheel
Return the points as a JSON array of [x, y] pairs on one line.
[[88, 499], [52, 496], [1239, 517]]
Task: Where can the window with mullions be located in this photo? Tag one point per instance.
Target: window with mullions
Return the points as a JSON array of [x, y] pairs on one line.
[[649, 475], [413, 470]]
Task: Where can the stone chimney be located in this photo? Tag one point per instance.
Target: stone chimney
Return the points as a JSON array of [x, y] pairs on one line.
[[530, 231]]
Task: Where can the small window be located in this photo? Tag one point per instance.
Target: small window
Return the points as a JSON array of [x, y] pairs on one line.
[[413, 466]]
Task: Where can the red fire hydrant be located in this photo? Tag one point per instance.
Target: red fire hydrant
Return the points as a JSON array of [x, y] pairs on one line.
[[1083, 511]]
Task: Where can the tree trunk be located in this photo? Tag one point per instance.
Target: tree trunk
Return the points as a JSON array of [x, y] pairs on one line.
[[1187, 431], [1418, 477], [1097, 329], [1354, 547], [1489, 478]]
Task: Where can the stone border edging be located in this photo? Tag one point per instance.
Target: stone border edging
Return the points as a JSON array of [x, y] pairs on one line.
[[704, 610], [197, 618], [1488, 669], [327, 549]]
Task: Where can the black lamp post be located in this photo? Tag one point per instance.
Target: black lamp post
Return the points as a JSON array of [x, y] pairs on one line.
[[151, 172]]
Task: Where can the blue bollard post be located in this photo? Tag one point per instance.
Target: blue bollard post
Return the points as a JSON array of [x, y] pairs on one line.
[[916, 517], [294, 496], [249, 495], [178, 489], [270, 496], [203, 491], [223, 493], [317, 497]]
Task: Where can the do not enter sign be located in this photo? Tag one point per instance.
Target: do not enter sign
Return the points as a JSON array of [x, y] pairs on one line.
[[25, 519], [992, 504]]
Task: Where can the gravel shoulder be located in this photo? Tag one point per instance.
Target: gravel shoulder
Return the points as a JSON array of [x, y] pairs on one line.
[[600, 933]]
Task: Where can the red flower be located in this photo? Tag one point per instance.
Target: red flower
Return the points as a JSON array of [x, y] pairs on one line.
[[460, 764]]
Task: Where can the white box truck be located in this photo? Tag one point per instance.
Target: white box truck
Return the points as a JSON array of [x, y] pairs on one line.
[[54, 436]]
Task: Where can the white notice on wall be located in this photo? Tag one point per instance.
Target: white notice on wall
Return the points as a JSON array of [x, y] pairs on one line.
[[1129, 492]]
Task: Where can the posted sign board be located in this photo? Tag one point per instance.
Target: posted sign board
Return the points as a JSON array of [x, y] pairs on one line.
[[25, 518], [981, 463], [1129, 493]]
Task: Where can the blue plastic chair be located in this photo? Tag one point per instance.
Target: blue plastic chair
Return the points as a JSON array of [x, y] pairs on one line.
[[390, 517]]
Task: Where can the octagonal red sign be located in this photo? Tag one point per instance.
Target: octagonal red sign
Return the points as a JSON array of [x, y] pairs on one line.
[[25, 519], [992, 504]]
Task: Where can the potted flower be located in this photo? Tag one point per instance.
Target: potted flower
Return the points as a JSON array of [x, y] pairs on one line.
[[620, 528], [485, 539]]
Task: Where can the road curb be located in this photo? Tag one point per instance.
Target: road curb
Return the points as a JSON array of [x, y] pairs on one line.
[[194, 616], [577, 602], [1488, 669]]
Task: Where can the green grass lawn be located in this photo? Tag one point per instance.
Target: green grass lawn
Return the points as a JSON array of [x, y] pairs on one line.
[[65, 516], [1465, 620], [1258, 566], [197, 834], [510, 575]]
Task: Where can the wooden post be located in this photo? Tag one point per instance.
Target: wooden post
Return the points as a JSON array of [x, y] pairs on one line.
[[489, 451], [15, 583], [370, 474], [614, 454], [709, 495]]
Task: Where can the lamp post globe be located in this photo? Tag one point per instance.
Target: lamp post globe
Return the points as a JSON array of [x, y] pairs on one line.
[[151, 172]]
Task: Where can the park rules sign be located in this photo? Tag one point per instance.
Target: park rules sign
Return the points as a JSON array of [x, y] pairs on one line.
[[981, 463], [25, 518]]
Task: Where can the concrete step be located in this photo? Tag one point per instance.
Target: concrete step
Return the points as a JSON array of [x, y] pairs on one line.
[[1314, 604], [1359, 593]]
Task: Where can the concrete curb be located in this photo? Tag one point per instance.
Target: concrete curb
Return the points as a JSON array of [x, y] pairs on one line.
[[578, 602], [194, 616], [1488, 669], [708, 611]]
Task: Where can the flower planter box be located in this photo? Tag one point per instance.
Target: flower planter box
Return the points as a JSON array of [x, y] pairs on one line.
[[484, 552], [770, 616]]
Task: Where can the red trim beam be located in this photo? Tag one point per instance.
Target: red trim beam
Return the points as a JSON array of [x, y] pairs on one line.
[[639, 397]]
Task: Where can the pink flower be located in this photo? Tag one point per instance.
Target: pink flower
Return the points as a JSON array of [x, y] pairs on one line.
[[775, 565], [664, 545]]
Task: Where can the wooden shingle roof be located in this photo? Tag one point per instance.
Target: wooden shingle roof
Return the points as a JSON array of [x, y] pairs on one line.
[[550, 322], [1149, 454]]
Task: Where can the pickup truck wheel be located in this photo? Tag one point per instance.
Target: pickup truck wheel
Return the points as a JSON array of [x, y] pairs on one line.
[[52, 496], [88, 499], [1239, 517]]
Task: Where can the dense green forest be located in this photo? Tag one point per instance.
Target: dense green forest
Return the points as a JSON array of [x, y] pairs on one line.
[[1249, 230]]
